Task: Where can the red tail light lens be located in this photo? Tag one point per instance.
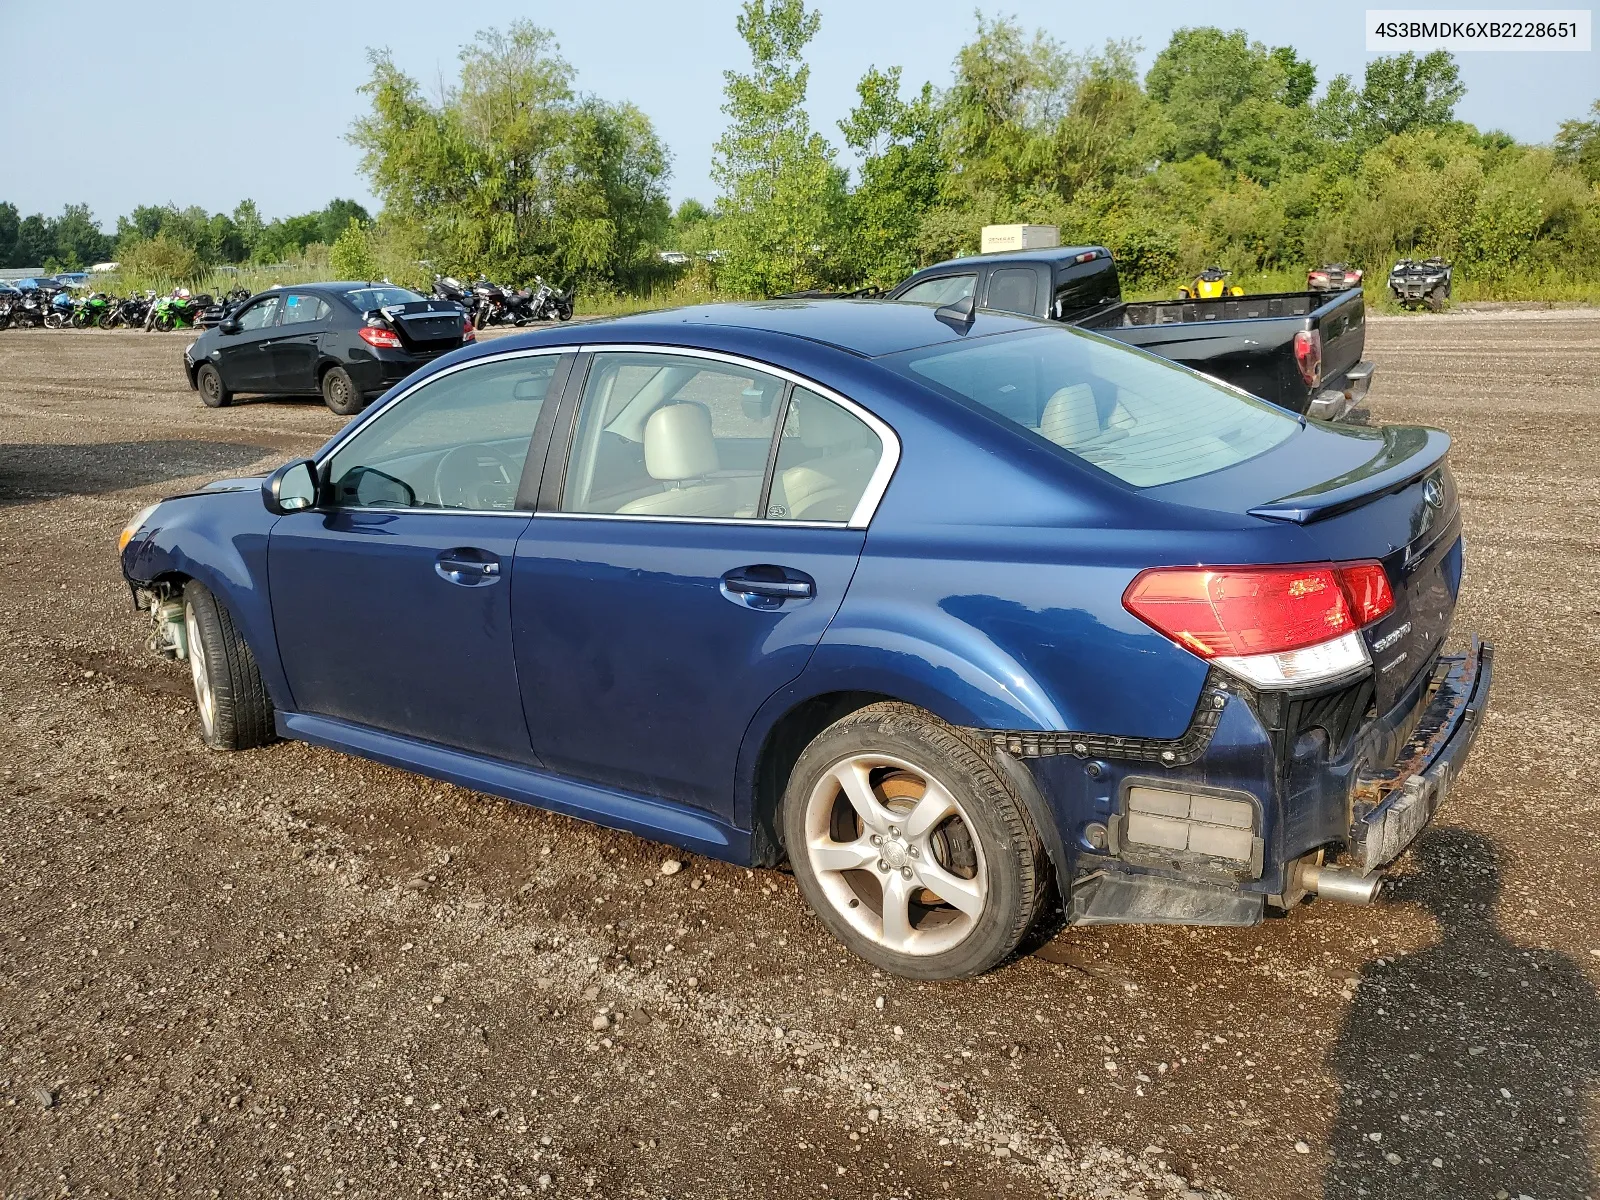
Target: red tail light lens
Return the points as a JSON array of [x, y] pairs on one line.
[[1308, 355], [468, 333], [383, 339], [1366, 585], [1236, 612]]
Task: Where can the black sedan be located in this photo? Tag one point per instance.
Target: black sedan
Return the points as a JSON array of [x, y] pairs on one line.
[[347, 342]]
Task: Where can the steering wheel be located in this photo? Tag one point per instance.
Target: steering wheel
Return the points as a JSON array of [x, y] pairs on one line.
[[476, 476]]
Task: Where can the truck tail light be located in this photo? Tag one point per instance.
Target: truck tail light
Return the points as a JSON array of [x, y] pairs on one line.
[[1308, 355], [1272, 626], [376, 335]]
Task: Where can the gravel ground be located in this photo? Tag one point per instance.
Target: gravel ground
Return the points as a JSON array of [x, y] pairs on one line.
[[293, 971]]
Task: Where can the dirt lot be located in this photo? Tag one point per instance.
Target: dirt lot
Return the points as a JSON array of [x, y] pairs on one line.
[[293, 971]]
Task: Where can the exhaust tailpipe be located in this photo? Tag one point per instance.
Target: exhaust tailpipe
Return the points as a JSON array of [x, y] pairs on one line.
[[1342, 884]]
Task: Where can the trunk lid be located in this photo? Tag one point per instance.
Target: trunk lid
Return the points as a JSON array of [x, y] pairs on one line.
[[1392, 498], [426, 326]]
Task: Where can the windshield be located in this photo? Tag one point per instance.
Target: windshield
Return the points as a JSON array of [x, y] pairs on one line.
[[1138, 417], [366, 299]]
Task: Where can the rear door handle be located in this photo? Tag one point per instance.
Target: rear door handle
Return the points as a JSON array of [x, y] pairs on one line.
[[467, 567], [767, 587]]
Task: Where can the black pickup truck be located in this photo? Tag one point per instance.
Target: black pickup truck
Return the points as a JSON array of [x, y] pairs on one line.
[[1301, 350]]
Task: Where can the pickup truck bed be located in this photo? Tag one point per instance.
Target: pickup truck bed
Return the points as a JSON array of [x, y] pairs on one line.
[[1249, 341], [1300, 350]]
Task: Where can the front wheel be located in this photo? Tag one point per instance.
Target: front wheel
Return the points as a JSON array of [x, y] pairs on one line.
[[339, 392], [910, 846], [163, 323], [235, 710], [208, 382], [1435, 300]]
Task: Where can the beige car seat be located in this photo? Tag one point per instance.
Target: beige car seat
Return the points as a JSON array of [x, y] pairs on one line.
[[1070, 416], [680, 453], [827, 486]]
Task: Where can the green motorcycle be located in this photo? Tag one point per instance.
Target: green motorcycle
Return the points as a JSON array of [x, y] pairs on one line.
[[92, 310]]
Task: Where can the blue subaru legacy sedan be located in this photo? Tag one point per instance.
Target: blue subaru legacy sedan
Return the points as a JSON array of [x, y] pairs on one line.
[[954, 613]]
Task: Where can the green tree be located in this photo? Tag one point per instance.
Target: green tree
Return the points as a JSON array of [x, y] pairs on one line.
[[1233, 100], [351, 255], [335, 219], [902, 168], [247, 220], [781, 195], [1404, 92], [10, 223], [1577, 144], [77, 236], [159, 262], [511, 172]]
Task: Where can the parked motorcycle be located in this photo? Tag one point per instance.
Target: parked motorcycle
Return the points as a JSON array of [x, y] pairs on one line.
[[1334, 277], [1425, 282], [544, 303], [177, 311], [129, 313], [58, 311], [91, 310], [218, 312], [490, 305], [1210, 284], [446, 287]]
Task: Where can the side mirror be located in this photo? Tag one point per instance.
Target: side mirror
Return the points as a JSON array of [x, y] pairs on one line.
[[291, 488], [228, 326]]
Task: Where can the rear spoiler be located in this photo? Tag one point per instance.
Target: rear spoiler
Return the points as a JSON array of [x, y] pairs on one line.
[[1409, 452]]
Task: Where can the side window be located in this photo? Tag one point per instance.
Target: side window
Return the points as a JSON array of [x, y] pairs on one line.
[[1015, 289], [826, 458], [1086, 285], [671, 435], [947, 289], [459, 441], [301, 310], [261, 314]]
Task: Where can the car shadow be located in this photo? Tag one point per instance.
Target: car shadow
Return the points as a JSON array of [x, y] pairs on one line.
[[1466, 1067], [36, 472]]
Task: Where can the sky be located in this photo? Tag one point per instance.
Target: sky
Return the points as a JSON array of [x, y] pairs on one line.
[[210, 103]]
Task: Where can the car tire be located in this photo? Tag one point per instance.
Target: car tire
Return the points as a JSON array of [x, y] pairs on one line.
[[963, 829], [235, 711], [340, 394], [208, 382]]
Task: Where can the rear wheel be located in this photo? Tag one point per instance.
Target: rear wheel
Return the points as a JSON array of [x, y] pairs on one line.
[[1435, 300], [208, 382], [910, 846], [339, 392], [235, 711]]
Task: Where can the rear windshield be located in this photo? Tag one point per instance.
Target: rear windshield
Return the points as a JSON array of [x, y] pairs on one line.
[[366, 299], [1129, 413]]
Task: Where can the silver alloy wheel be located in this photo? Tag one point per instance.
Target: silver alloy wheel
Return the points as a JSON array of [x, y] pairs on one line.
[[204, 698], [891, 849]]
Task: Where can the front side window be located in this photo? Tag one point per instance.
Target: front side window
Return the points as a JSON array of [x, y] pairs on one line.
[[947, 289], [673, 436], [301, 310], [1140, 418], [826, 459], [458, 442], [262, 314]]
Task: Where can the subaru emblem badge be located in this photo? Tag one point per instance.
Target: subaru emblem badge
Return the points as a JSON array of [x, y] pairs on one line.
[[1433, 493]]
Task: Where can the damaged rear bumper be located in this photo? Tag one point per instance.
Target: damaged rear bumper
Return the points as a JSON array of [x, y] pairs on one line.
[[1393, 806]]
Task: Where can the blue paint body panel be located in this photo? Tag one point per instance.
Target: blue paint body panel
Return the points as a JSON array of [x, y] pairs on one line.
[[606, 673]]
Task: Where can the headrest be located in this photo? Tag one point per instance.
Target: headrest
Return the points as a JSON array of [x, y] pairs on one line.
[[1071, 416], [677, 442], [824, 425]]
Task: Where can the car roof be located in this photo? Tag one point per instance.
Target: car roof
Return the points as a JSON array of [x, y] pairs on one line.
[[869, 328], [1050, 254]]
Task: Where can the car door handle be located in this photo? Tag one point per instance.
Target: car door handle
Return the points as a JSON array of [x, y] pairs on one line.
[[766, 587], [469, 568]]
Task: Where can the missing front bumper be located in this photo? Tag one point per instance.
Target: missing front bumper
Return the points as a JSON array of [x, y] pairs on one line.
[[1392, 807]]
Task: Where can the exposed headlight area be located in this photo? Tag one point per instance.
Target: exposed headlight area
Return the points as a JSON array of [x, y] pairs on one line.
[[131, 529], [1274, 626]]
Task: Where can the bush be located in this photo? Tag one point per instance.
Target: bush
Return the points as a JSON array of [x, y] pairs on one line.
[[160, 264]]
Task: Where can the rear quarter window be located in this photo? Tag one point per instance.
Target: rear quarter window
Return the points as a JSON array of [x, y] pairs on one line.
[[1135, 416]]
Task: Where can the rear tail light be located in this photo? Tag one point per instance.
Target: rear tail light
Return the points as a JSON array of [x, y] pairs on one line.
[[1272, 626], [1319, 277], [1352, 276], [376, 335], [468, 333], [1308, 355]]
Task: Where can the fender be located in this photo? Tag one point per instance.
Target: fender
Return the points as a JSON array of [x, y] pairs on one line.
[[185, 538]]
